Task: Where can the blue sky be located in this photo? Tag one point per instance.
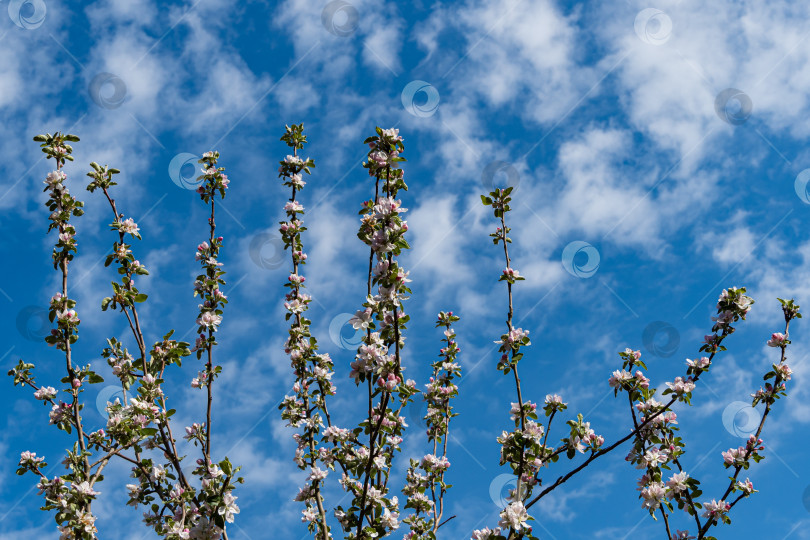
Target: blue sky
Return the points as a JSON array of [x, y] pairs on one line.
[[608, 116]]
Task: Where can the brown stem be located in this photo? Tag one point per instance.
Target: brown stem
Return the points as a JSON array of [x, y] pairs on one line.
[[68, 360], [209, 363], [562, 479], [514, 364], [666, 521], [749, 451]]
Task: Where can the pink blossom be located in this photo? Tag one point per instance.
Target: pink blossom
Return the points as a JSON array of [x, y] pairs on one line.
[[680, 386], [317, 474], [486, 533], [700, 363], [619, 378], [129, 226], [783, 370], [682, 535], [30, 458], [293, 206], [677, 482], [209, 319], [45, 393], [777, 340], [514, 516], [734, 456], [54, 178], [747, 487], [714, 509], [653, 495], [392, 134], [293, 160]]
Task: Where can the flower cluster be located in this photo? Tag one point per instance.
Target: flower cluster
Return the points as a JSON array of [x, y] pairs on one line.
[[142, 421], [378, 359], [212, 179], [207, 286], [74, 519], [196, 515], [60, 203], [313, 372], [523, 448], [738, 457], [425, 487], [656, 445]]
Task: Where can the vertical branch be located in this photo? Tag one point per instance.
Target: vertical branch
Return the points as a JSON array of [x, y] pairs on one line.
[[312, 371], [217, 482]]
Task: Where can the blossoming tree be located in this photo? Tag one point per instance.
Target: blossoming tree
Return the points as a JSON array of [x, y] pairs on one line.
[[199, 503], [139, 430]]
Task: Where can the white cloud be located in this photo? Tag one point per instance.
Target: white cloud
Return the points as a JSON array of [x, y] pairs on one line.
[[521, 55], [731, 247]]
